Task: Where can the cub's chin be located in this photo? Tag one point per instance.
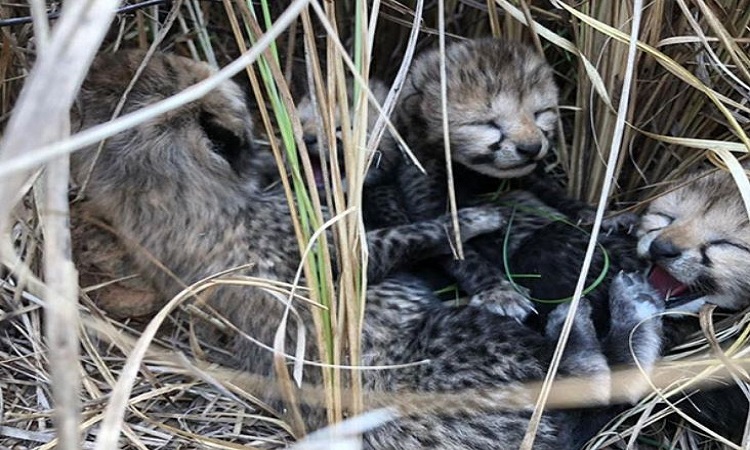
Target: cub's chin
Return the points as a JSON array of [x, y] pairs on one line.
[[516, 171]]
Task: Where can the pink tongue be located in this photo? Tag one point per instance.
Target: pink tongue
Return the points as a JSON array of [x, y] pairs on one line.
[[665, 283], [317, 172]]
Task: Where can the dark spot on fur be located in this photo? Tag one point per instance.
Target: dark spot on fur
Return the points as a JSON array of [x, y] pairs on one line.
[[533, 78], [710, 204], [704, 284]]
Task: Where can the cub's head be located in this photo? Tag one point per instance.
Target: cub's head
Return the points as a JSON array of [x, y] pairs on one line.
[[698, 238], [385, 158], [193, 153], [501, 103]]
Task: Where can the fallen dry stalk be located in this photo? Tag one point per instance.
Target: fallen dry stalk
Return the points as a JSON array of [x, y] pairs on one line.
[[615, 147], [61, 294], [566, 393]]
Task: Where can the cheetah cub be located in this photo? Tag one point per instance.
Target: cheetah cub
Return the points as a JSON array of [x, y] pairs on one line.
[[698, 238], [501, 112], [386, 156]]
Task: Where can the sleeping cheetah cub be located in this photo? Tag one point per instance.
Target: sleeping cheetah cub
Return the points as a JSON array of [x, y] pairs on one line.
[[179, 190], [502, 103], [698, 238]]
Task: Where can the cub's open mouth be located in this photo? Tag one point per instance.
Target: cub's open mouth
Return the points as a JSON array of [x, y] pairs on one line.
[[317, 168], [674, 291], [316, 163]]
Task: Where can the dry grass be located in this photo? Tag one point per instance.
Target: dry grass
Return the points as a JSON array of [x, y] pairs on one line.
[[689, 98]]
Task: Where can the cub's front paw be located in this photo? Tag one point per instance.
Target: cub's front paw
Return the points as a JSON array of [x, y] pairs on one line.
[[631, 295], [624, 222], [479, 220], [505, 300], [582, 320]]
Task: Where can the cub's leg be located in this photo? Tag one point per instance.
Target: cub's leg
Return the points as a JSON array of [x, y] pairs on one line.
[[583, 355], [635, 329], [398, 246], [487, 285], [485, 282]]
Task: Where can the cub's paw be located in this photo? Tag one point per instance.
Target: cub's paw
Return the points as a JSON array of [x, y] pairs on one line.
[[631, 296], [582, 321], [504, 300], [619, 223], [479, 220], [624, 222]]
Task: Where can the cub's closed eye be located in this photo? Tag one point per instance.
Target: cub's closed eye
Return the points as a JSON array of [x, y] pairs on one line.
[[669, 218], [486, 123], [725, 242], [657, 221], [544, 111], [483, 123]]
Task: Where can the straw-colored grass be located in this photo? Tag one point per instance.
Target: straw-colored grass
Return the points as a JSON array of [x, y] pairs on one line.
[[689, 97]]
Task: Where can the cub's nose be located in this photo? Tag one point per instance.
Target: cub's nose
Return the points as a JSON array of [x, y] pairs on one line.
[[310, 139], [530, 151], [663, 249]]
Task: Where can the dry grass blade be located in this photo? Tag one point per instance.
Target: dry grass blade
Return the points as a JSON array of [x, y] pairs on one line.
[[446, 133], [398, 82], [718, 99], [61, 67], [531, 433], [738, 173], [61, 281], [112, 420]]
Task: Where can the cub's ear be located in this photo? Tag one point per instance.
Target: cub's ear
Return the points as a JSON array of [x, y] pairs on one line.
[[235, 148]]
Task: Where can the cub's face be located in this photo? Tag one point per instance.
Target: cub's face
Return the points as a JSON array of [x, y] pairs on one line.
[[385, 158], [501, 105], [698, 237], [210, 137]]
